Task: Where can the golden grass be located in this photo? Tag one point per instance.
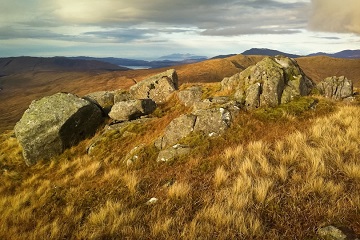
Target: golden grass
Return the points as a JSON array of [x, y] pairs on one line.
[[264, 179], [179, 190]]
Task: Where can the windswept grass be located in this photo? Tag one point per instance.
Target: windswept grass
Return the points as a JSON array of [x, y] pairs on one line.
[[275, 174]]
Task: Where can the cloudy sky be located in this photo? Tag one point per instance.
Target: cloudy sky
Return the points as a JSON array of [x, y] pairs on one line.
[[147, 29]]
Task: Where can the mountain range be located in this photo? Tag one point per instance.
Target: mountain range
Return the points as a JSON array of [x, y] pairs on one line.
[[180, 59], [271, 52]]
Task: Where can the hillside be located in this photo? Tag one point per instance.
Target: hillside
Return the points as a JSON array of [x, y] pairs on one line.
[[277, 173], [24, 64], [18, 90]]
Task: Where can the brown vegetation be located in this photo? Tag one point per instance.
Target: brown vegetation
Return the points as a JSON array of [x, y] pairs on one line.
[[276, 174]]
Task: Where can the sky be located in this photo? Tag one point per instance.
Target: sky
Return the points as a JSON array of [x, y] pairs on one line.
[[148, 29]]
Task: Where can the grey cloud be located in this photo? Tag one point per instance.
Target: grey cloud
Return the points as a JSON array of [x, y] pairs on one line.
[[16, 33], [335, 16], [210, 17]]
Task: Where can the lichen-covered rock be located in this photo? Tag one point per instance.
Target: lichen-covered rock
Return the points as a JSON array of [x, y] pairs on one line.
[[158, 87], [252, 99], [177, 129], [104, 99], [336, 87], [122, 96], [190, 96], [172, 152], [277, 80], [133, 155], [215, 120], [54, 123], [231, 83], [132, 109], [333, 233]]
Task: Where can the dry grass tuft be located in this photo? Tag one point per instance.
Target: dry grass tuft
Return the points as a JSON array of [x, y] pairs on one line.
[[220, 176], [179, 190]]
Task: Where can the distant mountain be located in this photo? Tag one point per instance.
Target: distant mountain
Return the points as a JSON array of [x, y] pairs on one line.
[[24, 64], [342, 54], [116, 61], [182, 57], [223, 56], [143, 63], [268, 52]]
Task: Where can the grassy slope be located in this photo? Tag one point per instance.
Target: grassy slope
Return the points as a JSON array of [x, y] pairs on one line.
[[276, 174]]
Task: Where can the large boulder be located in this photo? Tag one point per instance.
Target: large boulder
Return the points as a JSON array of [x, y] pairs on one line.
[[336, 87], [132, 109], [178, 128], [190, 96], [272, 81], [104, 99], [158, 87], [121, 95], [212, 121], [54, 123]]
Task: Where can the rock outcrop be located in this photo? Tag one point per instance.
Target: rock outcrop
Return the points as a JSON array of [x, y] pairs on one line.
[[54, 123], [212, 121], [270, 82], [334, 233], [173, 152], [132, 109], [104, 99], [178, 128], [190, 96], [336, 87], [158, 87]]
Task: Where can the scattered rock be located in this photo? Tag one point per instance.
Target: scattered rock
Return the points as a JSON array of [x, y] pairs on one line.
[[334, 233], [177, 129], [54, 123], [336, 87], [132, 109], [152, 201], [215, 120], [158, 87], [122, 125], [172, 152], [104, 99], [190, 96], [270, 82], [133, 155], [121, 96]]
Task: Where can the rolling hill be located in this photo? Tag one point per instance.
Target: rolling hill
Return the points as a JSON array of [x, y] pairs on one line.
[[36, 80], [284, 172]]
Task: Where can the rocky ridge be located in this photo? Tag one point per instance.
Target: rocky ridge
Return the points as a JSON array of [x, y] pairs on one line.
[[62, 120]]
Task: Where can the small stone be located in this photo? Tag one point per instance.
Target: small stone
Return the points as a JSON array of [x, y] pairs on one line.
[[331, 233], [152, 201]]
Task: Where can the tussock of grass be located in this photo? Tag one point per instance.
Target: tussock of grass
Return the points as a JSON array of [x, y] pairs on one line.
[[275, 174]]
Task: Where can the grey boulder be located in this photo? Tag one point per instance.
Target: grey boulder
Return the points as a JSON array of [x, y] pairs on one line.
[[104, 99], [158, 87], [132, 109], [190, 96], [52, 124], [336, 87]]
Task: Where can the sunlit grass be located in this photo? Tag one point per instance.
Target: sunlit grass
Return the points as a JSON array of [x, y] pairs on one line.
[[271, 176]]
